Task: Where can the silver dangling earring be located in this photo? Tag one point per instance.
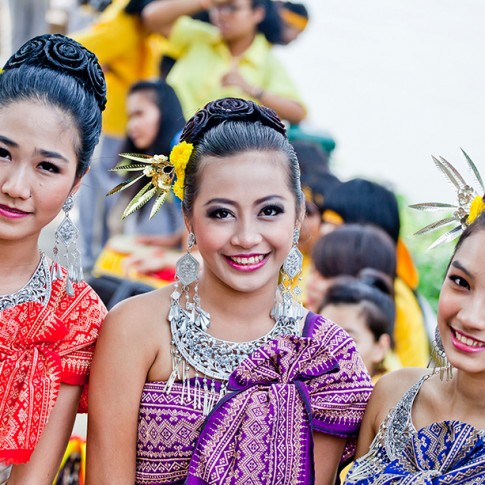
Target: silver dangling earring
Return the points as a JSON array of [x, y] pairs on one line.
[[440, 361], [288, 295], [67, 235], [187, 272]]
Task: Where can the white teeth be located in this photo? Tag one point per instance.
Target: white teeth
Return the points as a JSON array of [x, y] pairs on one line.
[[468, 341], [250, 260]]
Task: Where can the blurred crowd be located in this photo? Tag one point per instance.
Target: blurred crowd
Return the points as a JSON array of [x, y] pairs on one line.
[[165, 59]]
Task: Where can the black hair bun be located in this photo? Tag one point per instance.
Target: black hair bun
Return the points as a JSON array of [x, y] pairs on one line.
[[229, 109], [61, 53], [378, 280]]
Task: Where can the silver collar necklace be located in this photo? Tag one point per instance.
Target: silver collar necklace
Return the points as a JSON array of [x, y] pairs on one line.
[[210, 357], [37, 289]]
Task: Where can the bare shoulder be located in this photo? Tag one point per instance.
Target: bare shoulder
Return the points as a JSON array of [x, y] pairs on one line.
[[387, 392], [140, 315], [391, 387]]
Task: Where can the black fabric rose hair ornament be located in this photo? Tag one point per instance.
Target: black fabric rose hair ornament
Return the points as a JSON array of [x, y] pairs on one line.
[[229, 109], [61, 53]]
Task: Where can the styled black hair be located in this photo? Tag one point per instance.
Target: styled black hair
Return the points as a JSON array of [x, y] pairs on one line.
[[229, 126], [171, 116], [315, 174], [364, 202], [135, 7], [351, 248], [477, 225], [270, 26], [372, 291], [58, 71]]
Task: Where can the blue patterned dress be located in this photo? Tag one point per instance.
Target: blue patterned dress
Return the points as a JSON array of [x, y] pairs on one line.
[[446, 452]]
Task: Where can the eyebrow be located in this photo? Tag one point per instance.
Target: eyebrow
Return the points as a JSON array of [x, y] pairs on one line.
[[458, 265], [44, 153], [231, 202], [50, 154], [8, 141]]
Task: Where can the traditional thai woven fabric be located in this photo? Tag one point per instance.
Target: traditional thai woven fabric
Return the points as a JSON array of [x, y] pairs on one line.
[[261, 432], [40, 348], [447, 452]]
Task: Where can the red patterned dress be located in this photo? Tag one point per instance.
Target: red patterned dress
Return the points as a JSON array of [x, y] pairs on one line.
[[40, 348]]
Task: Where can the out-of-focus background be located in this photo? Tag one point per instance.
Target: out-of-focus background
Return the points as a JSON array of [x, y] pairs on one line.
[[393, 82]]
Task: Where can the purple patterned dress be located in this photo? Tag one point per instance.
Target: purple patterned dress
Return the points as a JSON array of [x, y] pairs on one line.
[[262, 430]]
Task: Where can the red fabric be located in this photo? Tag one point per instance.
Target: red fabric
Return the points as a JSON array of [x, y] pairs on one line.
[[166, 274], [40, 348]]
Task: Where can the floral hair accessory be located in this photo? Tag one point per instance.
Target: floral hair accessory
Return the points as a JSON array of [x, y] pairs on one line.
[[160, 170], [470, 204], [161, 174], [179, 157]]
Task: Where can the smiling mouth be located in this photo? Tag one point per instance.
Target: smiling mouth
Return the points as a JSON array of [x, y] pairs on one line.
[[247, 260], [467, 340]]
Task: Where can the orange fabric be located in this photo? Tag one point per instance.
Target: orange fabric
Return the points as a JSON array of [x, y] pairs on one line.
[[291, 18], [40, 348], [332, 217], [406, 270]]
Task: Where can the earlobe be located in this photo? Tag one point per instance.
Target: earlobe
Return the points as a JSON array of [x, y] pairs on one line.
[[76, 185], [300, 216], [382, 347], [188, 224], [260, 13]]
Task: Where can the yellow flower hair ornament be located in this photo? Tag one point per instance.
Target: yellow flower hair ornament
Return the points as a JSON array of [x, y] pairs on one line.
[[160, 170], [179, 157], [470, 204]]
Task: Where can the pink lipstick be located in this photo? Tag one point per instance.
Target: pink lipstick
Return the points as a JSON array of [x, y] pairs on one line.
[[247, 262], [466, 343], [12, 213]]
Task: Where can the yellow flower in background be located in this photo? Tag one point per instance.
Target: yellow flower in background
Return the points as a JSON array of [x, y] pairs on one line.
[[179, 157], [476, 208]]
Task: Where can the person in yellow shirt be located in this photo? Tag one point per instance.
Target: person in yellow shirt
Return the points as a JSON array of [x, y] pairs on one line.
[[232, 57], [128, 52]]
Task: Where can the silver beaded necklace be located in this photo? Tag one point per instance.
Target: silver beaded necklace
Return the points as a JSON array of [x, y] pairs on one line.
[[212, 359], [37, 289]]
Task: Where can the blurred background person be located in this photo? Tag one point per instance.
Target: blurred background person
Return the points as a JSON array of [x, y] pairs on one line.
[[349, 249], [128, 53], [366, 202], [364, 308], [155, 122], [294, 17], [316, 179], [28, 19], [232, 57]]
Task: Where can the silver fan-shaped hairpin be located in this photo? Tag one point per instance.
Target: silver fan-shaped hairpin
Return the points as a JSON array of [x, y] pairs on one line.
[[465, 193]]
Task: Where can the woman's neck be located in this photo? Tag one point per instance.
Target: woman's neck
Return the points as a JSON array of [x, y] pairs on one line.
[[236, 315], [17, 264], [470, 386], [466, 397]]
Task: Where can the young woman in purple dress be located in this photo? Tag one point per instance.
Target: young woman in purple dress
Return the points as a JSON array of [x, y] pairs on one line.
[[224, 377]]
